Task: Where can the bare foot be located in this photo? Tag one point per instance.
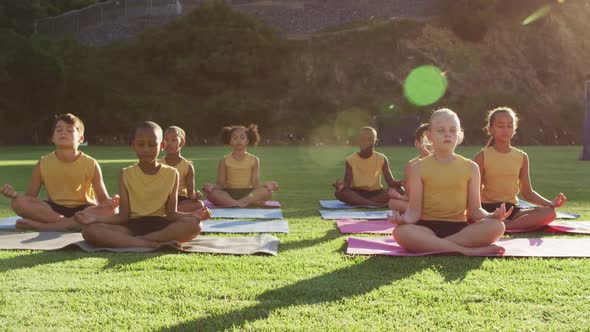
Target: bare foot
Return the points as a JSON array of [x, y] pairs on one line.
[[149, 243], [27, 224], [492, 249]]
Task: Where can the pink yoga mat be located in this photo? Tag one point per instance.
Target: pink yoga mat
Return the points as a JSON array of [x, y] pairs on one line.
[[578, 227], [267, 204], [520, 247], [350, 226]]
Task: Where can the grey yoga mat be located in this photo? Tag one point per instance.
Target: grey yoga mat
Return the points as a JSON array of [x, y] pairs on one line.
[[264, 243]]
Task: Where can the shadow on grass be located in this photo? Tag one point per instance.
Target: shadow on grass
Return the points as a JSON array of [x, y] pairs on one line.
[[115, 260], [330, 235], [351, 281]]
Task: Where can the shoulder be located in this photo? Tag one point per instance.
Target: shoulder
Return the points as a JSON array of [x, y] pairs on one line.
[[48, 157], [127, 171], [84, 156], [466, 161], [87, 160], [186, 161], [167, 169], [129, 168], [479, 155], [415, 166], [519, 152], [380, 156], [352, 156]]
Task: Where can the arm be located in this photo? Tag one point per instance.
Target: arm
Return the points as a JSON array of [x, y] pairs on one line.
[[36, 181], [406, 175], [172, 212], [34, 187], [118, 218], [480, 163], [98, 185], [416, 199], [255, 176], [387, 175], [391, 182], [221, 175], [530, 195], [190, 181], [474, 199], [347, 175], [270, 185]]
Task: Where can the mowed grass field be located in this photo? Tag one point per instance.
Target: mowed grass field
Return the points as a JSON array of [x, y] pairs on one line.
[[312, 284]]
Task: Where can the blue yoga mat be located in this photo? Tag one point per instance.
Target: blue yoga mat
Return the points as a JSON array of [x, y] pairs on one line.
[[233, 213], [240, 226], [347, 214], [9, 222], [336, 204]]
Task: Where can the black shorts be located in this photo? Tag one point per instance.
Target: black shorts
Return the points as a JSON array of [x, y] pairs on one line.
[[441, 228], [183, 198], [491, 207], [67, 211], [238, 193], [367, 193], [146, 225]]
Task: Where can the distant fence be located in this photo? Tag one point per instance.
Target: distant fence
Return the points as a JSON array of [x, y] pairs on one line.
[[113, 20]]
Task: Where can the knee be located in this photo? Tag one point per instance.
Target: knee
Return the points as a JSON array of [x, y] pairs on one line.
[[199, 204], [549, 213], [400, 232], [267, 194], [18, 203], [91, 233], [191, 229], [338, 194], [495, 226]]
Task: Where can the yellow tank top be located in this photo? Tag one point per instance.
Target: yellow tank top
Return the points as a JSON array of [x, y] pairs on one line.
[[182, 168], [239, 172], [501, 175], [68, 184], [445, 188], [148, 194], [366, 173]]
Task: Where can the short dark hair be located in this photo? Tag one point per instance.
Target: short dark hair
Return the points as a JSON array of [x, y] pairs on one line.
[[420, 131], [70, 119], [149, 125], [251, 133]]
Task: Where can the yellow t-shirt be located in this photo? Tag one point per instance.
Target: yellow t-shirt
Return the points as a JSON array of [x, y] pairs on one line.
[[366, 173], [501, 175], [68, 184], [239, 172], [148, 194], [445, 188], [182, 168]]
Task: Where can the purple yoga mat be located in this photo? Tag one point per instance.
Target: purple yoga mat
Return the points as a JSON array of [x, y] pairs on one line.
[[518, 247], [575, 227], [350, 226], [267, 204]]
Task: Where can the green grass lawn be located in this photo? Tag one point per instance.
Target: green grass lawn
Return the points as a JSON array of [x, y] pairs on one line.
[[312, 284]]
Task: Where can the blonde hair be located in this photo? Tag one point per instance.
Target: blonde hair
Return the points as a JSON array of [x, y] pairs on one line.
[[367, 128], [492, 117], [179, 131], [446, 112]]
